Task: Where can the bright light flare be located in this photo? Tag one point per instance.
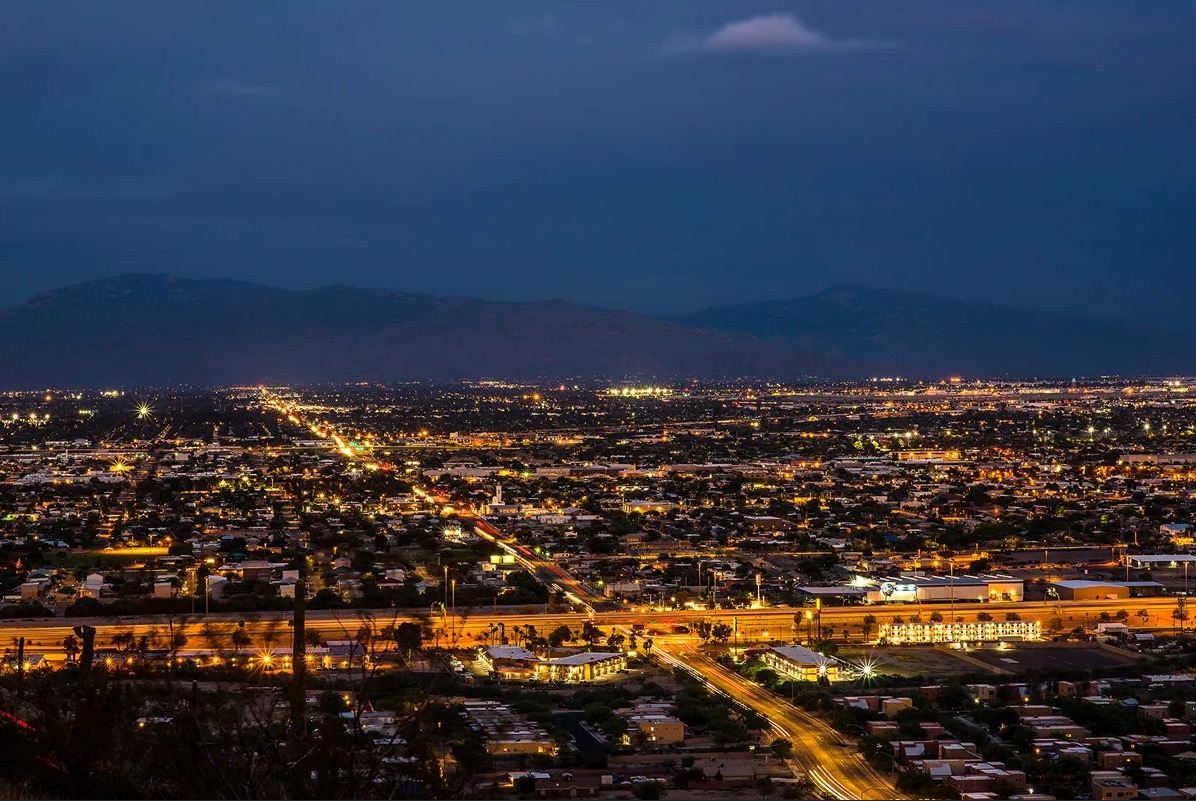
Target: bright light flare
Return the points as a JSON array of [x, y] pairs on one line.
[[144, 411]]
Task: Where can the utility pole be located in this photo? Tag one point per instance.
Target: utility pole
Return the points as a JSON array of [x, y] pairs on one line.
[[299, 662], [951, 592]]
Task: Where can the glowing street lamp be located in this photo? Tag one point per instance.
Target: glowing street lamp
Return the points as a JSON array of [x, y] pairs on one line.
[[144, 411]]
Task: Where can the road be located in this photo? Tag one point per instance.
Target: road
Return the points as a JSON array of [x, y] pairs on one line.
[[542, 567], [819, 751], [772, 624]]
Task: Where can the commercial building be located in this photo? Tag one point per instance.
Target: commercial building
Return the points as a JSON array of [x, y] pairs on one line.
[[990, 631], [799, 662], [514, 662], [1154, 561], [1085, 590], [914, 588], [509, 661], [506, 732], [654, 728], [587, 666]]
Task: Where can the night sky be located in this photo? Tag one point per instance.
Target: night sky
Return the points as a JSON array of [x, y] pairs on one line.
[[660, 156]]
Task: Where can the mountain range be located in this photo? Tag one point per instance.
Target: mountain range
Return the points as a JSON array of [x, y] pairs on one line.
[[159, 330], [928, 335]]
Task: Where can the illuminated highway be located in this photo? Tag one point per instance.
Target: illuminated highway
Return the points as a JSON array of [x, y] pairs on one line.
[[770, 624], [537, 565], [818, 750]]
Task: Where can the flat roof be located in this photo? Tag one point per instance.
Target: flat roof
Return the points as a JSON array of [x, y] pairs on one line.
[[586, 658], [841, 590], [510, 652], [1080, 584], [801, 655]]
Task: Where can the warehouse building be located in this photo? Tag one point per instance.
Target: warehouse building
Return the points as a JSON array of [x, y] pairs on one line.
[[1085, 590], [913, 588]]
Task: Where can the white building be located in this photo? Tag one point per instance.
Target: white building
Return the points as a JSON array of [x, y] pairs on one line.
[[982, 631]]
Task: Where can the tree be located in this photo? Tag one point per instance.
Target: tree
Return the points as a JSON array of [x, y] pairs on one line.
[[70, 646], [213, 635], [721, 632], [869, 624], [615, 640], [240, 637], [984, 617], [559, 636], [936, 617], [409, 637], [827, 648], [782, 748], [1012, 617], [590, 633]]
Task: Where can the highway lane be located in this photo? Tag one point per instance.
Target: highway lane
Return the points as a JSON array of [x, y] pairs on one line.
[[833, 764], [774, 624]]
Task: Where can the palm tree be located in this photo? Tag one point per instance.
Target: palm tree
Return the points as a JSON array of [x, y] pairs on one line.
[[869, 624], [240, 637]]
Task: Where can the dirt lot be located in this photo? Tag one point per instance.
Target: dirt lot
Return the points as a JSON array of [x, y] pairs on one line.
[[910, 660], [1047, 656]]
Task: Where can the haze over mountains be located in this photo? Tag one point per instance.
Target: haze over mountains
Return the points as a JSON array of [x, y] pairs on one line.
[[928, 335], [159, 330]]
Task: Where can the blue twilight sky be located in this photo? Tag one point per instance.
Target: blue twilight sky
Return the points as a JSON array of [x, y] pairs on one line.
[[660, 156]]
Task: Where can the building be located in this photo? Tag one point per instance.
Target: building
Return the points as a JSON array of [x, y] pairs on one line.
[[659, 507], [509, 661], [913, 588], [1155, 561], [928, 456], [506, 732], [515, 662], [1086, 590], [588, 666], [1113, 789], [989, 631], [654, 728], [799, 662]]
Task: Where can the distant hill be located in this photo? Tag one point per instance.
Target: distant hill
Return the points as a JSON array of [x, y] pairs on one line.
[[929, 335], [160, 330]]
